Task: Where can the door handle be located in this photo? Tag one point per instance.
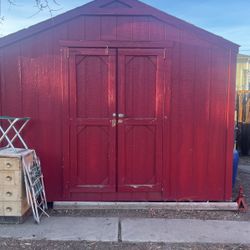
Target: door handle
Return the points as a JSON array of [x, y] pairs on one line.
[[115, 122], [121, 115]]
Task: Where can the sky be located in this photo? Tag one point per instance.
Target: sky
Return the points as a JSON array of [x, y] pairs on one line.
[[227, 18]]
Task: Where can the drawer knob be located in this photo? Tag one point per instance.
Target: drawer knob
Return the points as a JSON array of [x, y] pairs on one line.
[[8, 178], [8, 209], [8, 165], [9, 194]]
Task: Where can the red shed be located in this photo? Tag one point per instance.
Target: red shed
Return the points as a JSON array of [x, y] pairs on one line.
[[127, 103]]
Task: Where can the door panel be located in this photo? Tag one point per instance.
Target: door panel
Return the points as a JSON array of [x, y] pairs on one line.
[[136, 159], [93, 141], [92, 103], [92, 74], [140, 101], [140, 90]]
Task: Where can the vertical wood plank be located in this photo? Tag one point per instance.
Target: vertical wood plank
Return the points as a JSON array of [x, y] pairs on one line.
[[11, 81], [93, 28], [56, 81], [174, 135], [140, 28], [190, 37], [108, 28], [230, 124], [30, 90], [172, 33], [201, 122], [76, 28], [182, 125], [124, 28], [186, 118], [156, 30], [217, 127], [168, 65]]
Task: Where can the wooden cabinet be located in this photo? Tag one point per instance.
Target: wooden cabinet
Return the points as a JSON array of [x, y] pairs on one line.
[[13, 200]]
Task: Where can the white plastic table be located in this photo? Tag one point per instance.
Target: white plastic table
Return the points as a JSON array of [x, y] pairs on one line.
[[15, 125]]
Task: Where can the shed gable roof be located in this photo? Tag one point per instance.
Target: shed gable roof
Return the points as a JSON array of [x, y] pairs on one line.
[[115, 7]]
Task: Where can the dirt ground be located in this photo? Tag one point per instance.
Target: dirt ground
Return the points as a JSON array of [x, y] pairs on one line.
[[59, 245], [242, 179]]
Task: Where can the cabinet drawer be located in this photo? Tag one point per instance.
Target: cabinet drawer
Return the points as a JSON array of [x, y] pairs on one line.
[[9, 164], [11, 209], [10, 178], [11, 193], [14, 208]]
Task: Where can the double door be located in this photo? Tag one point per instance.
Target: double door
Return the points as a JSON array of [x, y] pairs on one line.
[[115, 122]]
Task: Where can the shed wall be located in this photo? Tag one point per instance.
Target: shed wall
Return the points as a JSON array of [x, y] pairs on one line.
[[198, 140]]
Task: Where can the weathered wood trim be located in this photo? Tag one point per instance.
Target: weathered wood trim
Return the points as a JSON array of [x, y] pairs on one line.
[[115, 44]]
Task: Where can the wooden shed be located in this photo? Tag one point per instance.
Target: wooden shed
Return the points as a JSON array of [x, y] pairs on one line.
[[127, 103]]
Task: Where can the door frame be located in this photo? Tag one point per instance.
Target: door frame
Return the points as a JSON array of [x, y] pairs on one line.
[[66, 46]]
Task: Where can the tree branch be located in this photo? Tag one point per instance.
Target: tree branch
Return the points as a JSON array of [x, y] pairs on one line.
[[40, 5]]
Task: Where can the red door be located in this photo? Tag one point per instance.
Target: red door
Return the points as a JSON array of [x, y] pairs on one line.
[[92, 88], [140, 113], [116, 116]]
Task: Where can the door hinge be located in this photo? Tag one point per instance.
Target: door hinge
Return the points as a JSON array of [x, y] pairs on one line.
[[66, 52], [165, 54], [107, 50]]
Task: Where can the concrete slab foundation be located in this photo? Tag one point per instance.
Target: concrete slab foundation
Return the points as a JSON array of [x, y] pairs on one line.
[[226, 206]]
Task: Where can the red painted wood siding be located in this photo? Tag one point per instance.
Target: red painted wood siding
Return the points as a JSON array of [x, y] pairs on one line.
[[198, 140], [198, 127]]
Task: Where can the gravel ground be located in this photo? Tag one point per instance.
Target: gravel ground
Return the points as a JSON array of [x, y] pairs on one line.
[[245, 160], [157, 213], [243, 179], [59, 245]]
